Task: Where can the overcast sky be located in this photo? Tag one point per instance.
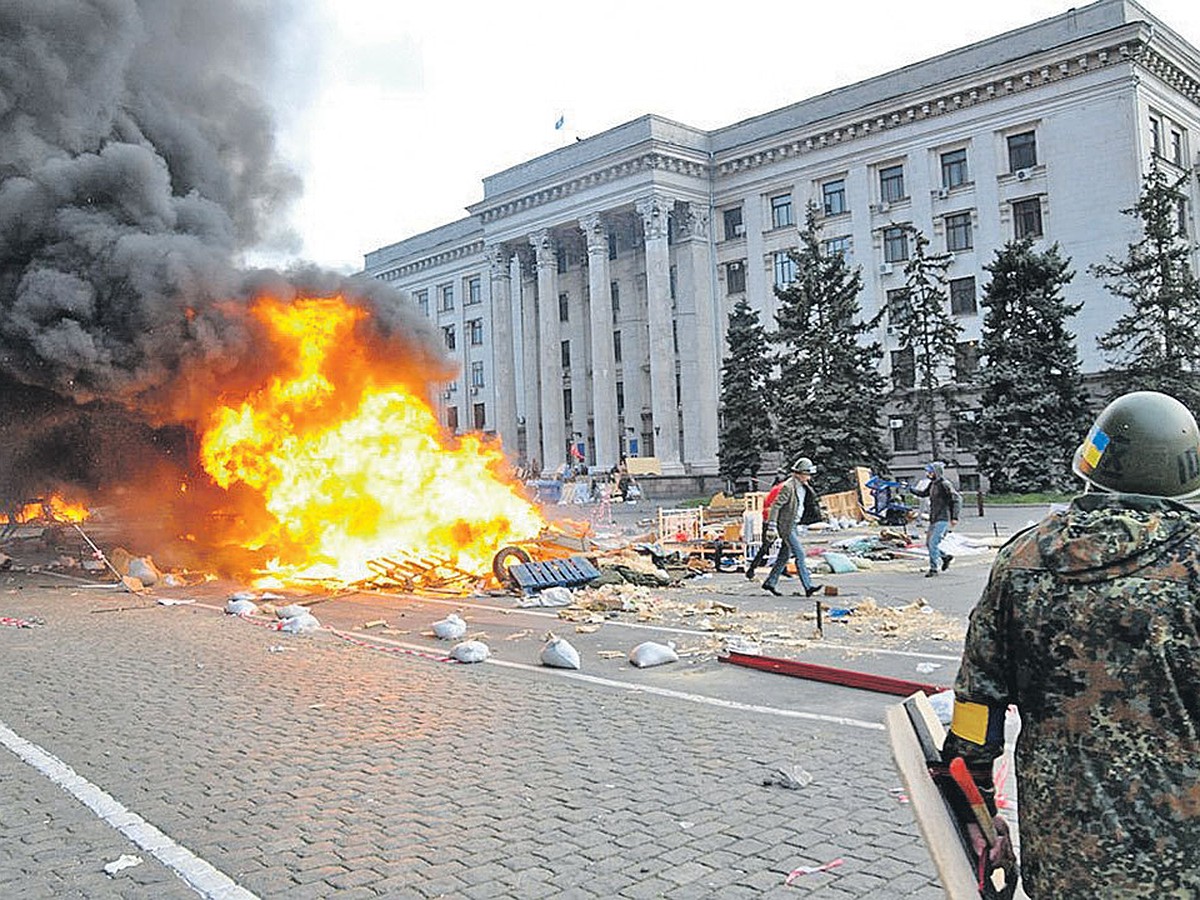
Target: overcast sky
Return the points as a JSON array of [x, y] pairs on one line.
[[394, 112]]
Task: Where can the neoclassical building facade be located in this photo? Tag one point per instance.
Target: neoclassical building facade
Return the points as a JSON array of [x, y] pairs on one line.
[[587, 294]]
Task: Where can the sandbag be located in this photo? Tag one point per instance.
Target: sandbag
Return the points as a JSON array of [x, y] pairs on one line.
[[559, 654], [299, 624], [240, 606], [649, 654], [290, 611], [839, 563], [470, 652], [451, 628]]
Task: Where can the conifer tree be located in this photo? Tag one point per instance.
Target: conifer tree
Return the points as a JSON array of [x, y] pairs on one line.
[[1034, 409], [927, 329], [830, 390], [1155, 344], [745, 429]]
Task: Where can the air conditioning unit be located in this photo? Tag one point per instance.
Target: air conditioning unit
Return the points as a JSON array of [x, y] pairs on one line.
[[1023, 174], [885, 268], [943, 193], [895, 424], [739, 230]]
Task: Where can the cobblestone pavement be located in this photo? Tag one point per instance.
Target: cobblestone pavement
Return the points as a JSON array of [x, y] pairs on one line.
[[307, 766]]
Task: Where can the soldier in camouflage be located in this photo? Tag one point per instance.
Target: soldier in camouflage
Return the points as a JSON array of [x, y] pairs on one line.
[[1090, 625]]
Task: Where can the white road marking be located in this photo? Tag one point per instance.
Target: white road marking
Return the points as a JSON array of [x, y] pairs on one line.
[[202, 877]]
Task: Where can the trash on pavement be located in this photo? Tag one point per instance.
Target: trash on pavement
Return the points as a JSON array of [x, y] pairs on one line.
[[239, 605], [812, 870], [167, 601], [551, 596], [559, 654], [451, 628], [839, 563], [291, 611], [649, 654], [306, 621], [470, 652], [124, 861], [793, 780], [926, 667]]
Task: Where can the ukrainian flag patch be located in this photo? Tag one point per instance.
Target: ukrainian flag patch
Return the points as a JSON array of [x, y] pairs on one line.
[[1093, 449]]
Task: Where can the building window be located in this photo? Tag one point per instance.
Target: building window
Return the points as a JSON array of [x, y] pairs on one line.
[[781, 211], [568, 406], [614, 291], [1181, 217], [958, 232], [966, 361], [1022, 151], [904, 434], [673, 282], [840, 244], [474, 291], [898, 308], [452, 419], [1027, 218], [966, 429], [566, 355], [735, 277], [477, 373], [616, 346], [560, 260], [785, 269], [954, 168], [480, 416], [962, 296], [448, 337], [564, 308], [891, 184], [423, 302], [475, 332], [620, 398], [895, 244], [1155, 136], [612, 245], [733, 223], [1177, 148], [675, 334], [446, 303], [833, 194]]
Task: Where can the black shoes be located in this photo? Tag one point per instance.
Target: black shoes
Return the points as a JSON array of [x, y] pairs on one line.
[[809, 591], [932, 573], [750, 574], [946, 560], [772, 589]]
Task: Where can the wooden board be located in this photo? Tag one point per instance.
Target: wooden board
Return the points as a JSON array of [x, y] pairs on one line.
[[643, 465]]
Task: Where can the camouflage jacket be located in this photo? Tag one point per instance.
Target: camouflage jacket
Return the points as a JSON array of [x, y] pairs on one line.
[[1090, 625]]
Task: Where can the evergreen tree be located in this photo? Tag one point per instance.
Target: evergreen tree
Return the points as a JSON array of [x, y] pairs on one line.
[[926, 327], [1034, 409], [745, 429], [830, 390], [1155, 345]]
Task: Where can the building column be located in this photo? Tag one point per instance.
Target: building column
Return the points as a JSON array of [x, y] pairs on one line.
[[529, 358], [655, 212], [699, 356], [604, 366], [554, 433], [504, 381]]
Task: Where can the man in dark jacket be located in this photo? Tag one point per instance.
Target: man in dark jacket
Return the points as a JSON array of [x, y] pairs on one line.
[[795, 505], [1089, 625], [945, 506]]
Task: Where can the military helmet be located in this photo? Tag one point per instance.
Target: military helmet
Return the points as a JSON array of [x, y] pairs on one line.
[[804, 464], [1143, 442]]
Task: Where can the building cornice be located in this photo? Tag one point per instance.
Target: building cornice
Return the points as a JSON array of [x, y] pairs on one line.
[[451, 254], [1063, 65]]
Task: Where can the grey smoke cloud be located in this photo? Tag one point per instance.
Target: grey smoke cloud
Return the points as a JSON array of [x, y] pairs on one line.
[[138, 162]]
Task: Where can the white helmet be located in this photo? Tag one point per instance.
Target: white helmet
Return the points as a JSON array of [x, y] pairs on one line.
[[804, 464]]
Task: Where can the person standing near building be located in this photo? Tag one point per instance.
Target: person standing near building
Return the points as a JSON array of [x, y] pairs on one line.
[[1088, 624], [764, 548], [795, 505], [945, 506]]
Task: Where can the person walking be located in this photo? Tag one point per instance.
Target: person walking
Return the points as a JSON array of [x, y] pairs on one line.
[[945, 506], [1088, 624], [764, 547], [795, 505]]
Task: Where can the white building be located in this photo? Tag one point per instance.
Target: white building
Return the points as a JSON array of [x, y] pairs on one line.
[[587, 294]]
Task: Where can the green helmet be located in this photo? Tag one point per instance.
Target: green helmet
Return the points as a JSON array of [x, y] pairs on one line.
[[1142, 443]]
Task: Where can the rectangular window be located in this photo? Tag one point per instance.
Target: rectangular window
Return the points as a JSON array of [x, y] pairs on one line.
[[735, 277], [785, 269], [564, 308], [1177, 148], [833, 194], [962, 296], [1155, 136], [895, 244], [616, 346], [966, 361], [568, 406], [477, 373], [480, 416], [891, 184], [675, 334], [452, 419], [475, 332], [612, 245], [839, 244], [1022, 151], [898, 308], [446, 302], [614, 291], [958, 232], [423, 302], [1181, 217], [1027, 218], [448, 337], [474, 291], [620, 398], [560, 260], [904, 434], [673, 282], [781, 211], [966, 428], [954, 168], [566, 355], [733, 223]]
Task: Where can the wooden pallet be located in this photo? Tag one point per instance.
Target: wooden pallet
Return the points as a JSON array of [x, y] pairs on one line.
[[570, 572]]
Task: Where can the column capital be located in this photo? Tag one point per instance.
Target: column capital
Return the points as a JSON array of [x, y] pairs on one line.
[[694, 221], [595, 233], [498, 257], [655, 211], [544, 247]]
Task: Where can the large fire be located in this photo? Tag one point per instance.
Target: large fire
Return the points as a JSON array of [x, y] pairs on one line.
[[351, 464], [53, 508]]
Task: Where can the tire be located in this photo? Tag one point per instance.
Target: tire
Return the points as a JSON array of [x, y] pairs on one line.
[[504, 558]]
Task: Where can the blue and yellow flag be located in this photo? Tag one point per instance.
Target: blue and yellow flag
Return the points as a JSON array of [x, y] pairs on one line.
[[1093, 449]]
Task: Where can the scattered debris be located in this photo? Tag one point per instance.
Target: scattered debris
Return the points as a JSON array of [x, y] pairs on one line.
[[551, 596], [167, 601], [793, 780], [812, 870], [376, 623], [12, 622], [124, 861]]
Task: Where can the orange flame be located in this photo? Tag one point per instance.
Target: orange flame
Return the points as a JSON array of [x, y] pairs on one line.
[[54, 508], [351, 470]]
